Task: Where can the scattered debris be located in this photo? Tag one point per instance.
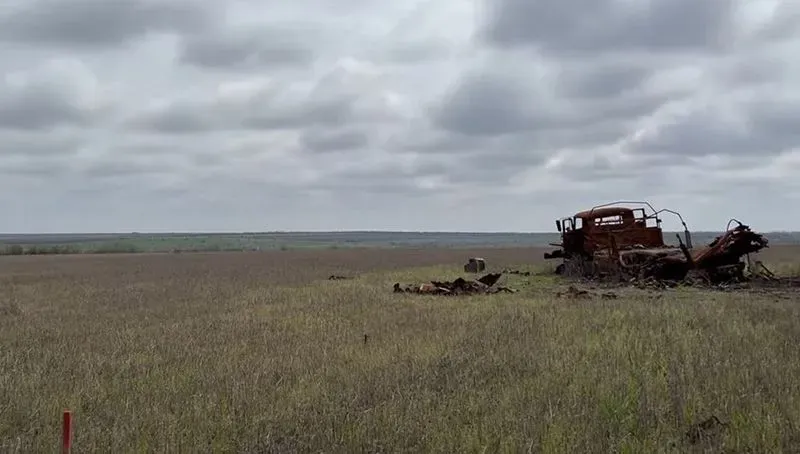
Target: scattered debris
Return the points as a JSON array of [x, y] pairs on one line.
[[460, 286], [757, 268], [719, 262], [573, 292], [518, 272], [475, 265], [705, 431]]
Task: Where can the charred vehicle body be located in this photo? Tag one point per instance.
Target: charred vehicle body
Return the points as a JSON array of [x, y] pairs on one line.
[[617, 240]]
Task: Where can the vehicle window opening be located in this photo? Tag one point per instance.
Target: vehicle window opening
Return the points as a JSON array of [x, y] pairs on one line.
[[608, 220]]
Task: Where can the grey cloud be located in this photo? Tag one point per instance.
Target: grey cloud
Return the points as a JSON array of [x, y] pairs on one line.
[[97, 24], [776, 119], [415, 51], [638, 173], [482, 169], [765, 127], [489, 104], [493, 124], [27, 144], [595, 79], [508, 152], [116, 166], [40, 155], [251, 49], [783, 25], [438, 141], [598, 170], [415, 119], [621, 108], [387, 178], [38, 105], [342, 140], [760, 67], [34, 166], [178, 118], [695, 134], [609, 25], [372, 184], [307, 112], [603, 132], [474, 161], [39, 111], [333, 102]]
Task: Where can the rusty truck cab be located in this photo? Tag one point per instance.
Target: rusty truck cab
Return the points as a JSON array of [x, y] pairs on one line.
[[609, 227], [620, 228], [598, 236]]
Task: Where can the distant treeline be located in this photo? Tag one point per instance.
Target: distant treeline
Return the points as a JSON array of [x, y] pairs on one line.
[[19, 249], [64, 249]]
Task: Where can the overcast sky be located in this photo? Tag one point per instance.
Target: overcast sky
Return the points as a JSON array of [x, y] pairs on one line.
[[225, 115]]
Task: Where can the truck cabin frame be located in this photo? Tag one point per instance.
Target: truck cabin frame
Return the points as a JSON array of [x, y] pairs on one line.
[[609, 228]]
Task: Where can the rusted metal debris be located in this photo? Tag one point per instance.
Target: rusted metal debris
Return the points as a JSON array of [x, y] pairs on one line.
[[475, 265], [624, 243], [718, 262], [517, 272], [460, 286], [573, 292]]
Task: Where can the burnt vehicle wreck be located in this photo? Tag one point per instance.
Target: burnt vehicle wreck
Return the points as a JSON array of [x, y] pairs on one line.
[[615, 241]]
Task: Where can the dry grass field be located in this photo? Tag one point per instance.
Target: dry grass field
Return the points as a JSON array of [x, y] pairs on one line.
[[258, 352]]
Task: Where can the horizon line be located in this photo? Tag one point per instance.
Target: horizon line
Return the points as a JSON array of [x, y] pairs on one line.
[[273, 232]]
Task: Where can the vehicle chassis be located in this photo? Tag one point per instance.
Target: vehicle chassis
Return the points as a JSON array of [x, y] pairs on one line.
[[593, 242]]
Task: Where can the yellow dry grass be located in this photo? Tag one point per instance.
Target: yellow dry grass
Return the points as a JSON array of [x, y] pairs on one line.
[[192, 362]]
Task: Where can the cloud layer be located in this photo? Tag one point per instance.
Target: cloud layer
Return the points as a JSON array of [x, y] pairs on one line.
[[451, 115]]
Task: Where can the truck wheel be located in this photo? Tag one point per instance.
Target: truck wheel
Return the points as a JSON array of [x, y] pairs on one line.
[[560, 269]]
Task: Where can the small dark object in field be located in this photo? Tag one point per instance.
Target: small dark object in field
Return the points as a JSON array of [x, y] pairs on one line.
[[521, 273], [460, 286], [705, 430], [365, 339], [574, 292], [475, 265], [335, 277]]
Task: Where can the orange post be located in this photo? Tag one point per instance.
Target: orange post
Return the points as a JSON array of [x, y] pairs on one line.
[[66, 433]]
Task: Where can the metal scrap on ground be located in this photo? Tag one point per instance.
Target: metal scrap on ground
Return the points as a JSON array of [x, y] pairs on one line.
[[475, 265], [573, 292], [718, 262], [460, 286], [517, 272]]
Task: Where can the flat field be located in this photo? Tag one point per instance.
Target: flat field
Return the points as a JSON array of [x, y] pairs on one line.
[[259, 352]]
